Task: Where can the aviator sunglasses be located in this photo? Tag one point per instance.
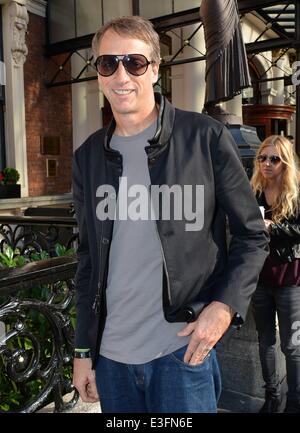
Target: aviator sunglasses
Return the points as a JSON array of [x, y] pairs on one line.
[[135, 64], [274, 159]]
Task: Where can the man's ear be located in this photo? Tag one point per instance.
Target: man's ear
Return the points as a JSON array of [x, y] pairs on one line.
[[155, 70]]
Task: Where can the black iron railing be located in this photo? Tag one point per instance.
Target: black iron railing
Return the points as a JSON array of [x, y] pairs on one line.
[[36, 335], [37, 314], [37, 233]]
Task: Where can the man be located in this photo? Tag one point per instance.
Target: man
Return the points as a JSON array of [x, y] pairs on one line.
[[140, 277]]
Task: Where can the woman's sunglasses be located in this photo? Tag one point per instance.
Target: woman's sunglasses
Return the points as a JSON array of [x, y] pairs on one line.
[[135, 64], [274, 159]]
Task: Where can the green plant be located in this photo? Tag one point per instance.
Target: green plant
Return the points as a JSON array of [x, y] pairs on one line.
[[11, 258], [9, 176], [36, 256], [61, 250]]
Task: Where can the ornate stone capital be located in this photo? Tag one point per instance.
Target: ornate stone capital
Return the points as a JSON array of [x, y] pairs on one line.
[[18, 24], [268, 94], [278, 53]]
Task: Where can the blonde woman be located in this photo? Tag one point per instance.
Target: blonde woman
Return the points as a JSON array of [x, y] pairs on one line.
[[275, 183]]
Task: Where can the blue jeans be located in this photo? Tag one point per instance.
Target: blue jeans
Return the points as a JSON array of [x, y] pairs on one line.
[[286, 301], [164, 385]]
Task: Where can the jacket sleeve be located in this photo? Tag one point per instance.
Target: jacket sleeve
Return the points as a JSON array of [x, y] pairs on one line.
[[248, 247], [84, 260]]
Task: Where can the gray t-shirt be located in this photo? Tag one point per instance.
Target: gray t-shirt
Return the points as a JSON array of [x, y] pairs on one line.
[[136, 330]]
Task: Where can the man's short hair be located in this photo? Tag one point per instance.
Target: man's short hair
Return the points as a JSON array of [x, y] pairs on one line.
[[133, 26]]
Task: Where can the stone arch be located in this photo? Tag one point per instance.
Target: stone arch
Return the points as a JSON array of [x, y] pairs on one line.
[[262, 67]]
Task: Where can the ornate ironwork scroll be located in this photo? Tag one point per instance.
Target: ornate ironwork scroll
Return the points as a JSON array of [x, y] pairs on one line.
[[36, 335], [36, 234]]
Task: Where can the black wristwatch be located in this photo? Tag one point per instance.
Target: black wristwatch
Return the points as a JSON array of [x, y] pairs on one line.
[[82, 355]]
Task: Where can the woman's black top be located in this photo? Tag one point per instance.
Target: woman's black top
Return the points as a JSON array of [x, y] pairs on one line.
[[282, 266]]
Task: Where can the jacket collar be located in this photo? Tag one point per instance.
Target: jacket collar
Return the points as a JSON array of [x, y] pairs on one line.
[[165, 123]]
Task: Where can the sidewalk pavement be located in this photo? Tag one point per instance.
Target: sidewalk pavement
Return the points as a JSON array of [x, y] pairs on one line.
[[80, 407], [230, 402], [238, 403]]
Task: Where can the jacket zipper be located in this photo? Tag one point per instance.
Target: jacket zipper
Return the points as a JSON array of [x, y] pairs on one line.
[[164, 259], [161, 247], [97, 300], [166, 269]]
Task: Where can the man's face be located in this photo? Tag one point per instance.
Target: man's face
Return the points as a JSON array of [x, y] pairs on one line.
[[127, 93]]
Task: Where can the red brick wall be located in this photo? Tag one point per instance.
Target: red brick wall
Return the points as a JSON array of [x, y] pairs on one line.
[[48, 113]]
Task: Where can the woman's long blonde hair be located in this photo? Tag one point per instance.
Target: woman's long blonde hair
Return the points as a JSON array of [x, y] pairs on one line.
[[286, 204]]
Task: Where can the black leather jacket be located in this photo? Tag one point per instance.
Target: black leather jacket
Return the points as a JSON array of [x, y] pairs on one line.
[[285, 236], [187, 149]]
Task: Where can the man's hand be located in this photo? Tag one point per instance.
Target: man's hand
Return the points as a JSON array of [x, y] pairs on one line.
[[84, 380], [206, 331]]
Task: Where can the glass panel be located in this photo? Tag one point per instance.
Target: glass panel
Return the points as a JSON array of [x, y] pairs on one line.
[[88, 19], [62, 20], [184, 5], [116, 8], [155, 8]]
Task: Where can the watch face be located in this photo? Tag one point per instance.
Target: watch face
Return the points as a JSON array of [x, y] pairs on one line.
[[85, 354]]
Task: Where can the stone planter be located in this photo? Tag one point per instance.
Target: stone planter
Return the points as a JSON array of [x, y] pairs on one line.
[[10, 191]]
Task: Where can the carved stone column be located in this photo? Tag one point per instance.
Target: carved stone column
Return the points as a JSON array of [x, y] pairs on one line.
[[15, 20], [188, 80], [19, 20], [235, 108], [267, 95], [278, 72]]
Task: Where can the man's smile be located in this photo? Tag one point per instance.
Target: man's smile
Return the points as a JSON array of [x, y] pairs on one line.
[[123, 91]]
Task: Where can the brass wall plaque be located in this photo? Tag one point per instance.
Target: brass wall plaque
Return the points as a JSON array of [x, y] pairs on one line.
[[51, 167], [50, 145]]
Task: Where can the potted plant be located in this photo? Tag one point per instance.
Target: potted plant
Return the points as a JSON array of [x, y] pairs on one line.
[[8, 183]]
